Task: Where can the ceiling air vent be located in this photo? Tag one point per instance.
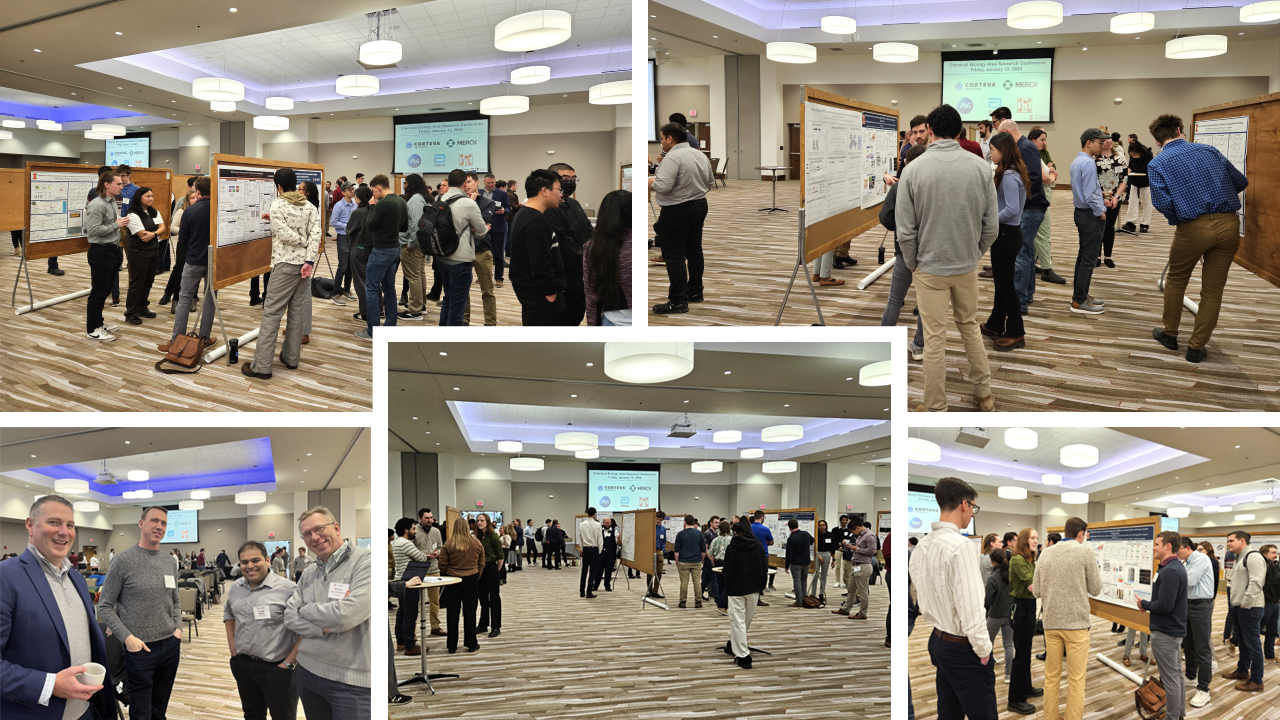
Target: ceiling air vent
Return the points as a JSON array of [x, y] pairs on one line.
[[975, 45], [836, 49], [435, 109]]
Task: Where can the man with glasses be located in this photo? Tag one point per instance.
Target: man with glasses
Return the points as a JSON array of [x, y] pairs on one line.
[[573, 230], [949, 585], [330, 610], [263, 651], [861, 546]]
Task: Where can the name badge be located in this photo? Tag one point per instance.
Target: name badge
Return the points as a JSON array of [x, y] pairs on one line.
[[169, 583], [261, 612], [857, 568], [337, 591]]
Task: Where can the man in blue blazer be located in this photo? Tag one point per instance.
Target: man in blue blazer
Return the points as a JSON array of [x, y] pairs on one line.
[[498, 226], [47, 626]]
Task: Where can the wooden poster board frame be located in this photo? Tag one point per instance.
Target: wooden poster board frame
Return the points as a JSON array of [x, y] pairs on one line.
[[622, 175], [158, 179], [450, 514], [646, 536], [1259, 251], [236, 263], [782, 561], [829, 233], [12, 215], [1130, 617]]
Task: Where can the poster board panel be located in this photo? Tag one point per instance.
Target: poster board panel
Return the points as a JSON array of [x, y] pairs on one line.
[[1259, 250], [884, 524], [826, 234], [640, 526], [12, 211], [450, 514], [157, 179], [776, 521], [161, 184], [1125, 614]]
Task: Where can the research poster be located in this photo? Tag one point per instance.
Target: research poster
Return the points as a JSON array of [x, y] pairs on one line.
[[674, 524], [1125, 560], [134, 152], [184, 527], [57, 204], [1231, 137], [628, 548], [976, 87], [439, 147], [616, 490], [886, 524], [879, 148], [777, 524], [833, 161], [244, 195]]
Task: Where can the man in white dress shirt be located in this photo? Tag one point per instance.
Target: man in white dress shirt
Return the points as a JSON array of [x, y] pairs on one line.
[[590, 538], [949, 586]]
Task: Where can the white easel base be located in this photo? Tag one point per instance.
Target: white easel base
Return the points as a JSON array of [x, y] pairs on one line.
[[53, 301], [221, 350], [863, 283]]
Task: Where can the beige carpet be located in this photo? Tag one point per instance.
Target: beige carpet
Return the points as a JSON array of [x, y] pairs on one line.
[[560, 656], [1070, 363]]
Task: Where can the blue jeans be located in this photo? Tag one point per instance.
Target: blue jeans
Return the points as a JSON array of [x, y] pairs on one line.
[[328, 699], [966, 687], [897, 294], [1271, 628], [457, 285], [1249, 628], [380, 275], [1024, 271], [1090, 228], [343, 279]]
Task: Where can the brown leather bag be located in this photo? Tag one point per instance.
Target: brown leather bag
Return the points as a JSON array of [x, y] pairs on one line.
[[186, 351], [1149, 699], [812, 601]]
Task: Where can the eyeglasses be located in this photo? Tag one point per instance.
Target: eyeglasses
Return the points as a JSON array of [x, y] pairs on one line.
[[975, 507], [308, 534]]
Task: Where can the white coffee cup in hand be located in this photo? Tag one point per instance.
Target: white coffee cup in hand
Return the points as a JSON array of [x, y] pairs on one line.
[[93, 674]]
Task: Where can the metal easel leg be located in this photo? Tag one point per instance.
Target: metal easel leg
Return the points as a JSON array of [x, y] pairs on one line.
[[787, 294], [208, 288], [800, 264], [24, 267]]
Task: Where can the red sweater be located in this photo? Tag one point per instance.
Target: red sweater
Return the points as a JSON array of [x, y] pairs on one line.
[[970, 145]]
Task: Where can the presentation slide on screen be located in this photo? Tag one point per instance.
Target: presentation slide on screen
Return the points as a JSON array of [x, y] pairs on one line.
[[618, 490], [438, 147], [923, 512], [183, 527], [134, 152], [976, 87]]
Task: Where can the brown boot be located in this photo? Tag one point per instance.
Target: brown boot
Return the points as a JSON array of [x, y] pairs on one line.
[[988, 331], [1007, 344], [985, 404], [306, 339], [439, 632], [858, 616], [413, 651], [1248, 686], [839, 611], [1235, 675]]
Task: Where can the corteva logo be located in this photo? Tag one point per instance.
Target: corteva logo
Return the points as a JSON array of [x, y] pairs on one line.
[[970, 85], [604, 488], [1009, 84]]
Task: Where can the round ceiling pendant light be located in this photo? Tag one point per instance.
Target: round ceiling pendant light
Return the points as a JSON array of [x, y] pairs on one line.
[[504, 105], [1021, 438], [782, 433], [222, 106], [1179, 512], [138, 475], [200, 494], [631, 443], [48, 125], [895, 52], [129, 494], [1051, 479], [1035, 15], [86, 506], [791, 52], [510, 446], [646, 362], [610, 93], [1211, 508], [1262, 499], [727, 436], [191, 505], [1130, 23], [270, 122], [1078, 456], [108, 128], [278, 103], [251, 497], [576, 441], [1245, 517], [146, 494], [751, 453], [877, 374], [779, 466], [1260, 12], [357, 85], [531, 75], [381, 52], [71, 486], [1075, 498], [212, 88], [533, 31], [13, 123], [839, 25], [1224, 508], [6, 135], [923, 451], [1011, 492], [90, 135], [591, 454], [1195, 46], [526, 464], [708, 466]]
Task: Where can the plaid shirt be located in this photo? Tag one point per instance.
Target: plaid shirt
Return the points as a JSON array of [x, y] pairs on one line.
[[1193, 179]]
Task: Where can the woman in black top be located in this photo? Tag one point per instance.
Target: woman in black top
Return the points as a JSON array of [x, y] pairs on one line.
[[609, 552], [360, 245], [1140, 189], [746, 570], [827, 546], [145, 227]]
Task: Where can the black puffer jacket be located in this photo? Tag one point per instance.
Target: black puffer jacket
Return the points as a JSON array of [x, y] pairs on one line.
[[746, 567]]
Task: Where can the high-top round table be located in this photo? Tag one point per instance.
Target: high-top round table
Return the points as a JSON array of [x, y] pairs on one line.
[[773, 169], [432, 581]]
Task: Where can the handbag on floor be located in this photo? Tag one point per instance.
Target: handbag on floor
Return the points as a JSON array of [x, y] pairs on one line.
[[187, 350], [811, 601], [1149, 699]]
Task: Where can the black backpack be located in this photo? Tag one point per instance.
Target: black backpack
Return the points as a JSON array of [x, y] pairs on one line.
[[538, 535], [436, 234], [1273, 573]]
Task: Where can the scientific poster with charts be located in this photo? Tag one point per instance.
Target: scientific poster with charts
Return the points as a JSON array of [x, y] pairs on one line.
[[244, 195], [57, 204], [777, 524], [629, 536], [1231, 137], [832, 168], [879, 143], [1125, 558]]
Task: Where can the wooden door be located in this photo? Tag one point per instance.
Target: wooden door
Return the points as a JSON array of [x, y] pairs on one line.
[[793, 147]]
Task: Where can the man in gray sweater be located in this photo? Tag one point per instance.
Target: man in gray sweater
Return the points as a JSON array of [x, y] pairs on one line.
[[429, 541], [1248, 605], [300, 563], [1066, 575], [330, 610], [947, 219], [680, 185], [139, 603]]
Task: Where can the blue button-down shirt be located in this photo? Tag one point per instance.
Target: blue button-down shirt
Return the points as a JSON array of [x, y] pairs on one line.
[[1193, 179], [1085, 190], [341, 214], [1199, 577]]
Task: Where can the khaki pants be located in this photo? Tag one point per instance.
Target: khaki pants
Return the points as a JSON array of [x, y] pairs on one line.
[[483, 265], [690, 571], [842, 250], [413, 262], [934, 293], [433, 598], [655, 580], [1076, 643], [1214, 237], [856, 578], [742, 608], [1043, 246], [837, 566], [287, 293]]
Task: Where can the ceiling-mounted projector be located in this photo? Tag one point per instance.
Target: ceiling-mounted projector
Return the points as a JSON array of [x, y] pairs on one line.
[[682, 429], [973, 436], [106, 478]]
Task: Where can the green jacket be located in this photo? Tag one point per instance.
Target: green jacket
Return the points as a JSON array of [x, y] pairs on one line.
[[1021, 574], [492, 547]]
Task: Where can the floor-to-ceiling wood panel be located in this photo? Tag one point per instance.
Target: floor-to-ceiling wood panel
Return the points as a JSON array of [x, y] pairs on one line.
[[560, 656], [1071, 362]]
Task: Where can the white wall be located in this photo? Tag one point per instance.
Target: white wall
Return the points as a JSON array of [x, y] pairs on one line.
[[31, 141]]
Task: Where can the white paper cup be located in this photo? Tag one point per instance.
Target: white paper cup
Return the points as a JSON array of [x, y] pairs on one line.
[[93, 674]]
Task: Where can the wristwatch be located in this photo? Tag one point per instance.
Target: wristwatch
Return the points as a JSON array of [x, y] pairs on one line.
[[291, 666]]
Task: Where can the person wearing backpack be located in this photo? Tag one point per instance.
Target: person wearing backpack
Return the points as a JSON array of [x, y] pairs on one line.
[[1247, 579], [416, 196], [457, 223], [484, 262], [1271, 593]]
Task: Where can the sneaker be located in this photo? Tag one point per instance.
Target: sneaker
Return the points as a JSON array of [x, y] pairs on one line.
[[670, 307], [109, 327], [722, 611], [1168, 341], [164, 299], [363, 334], [1195, 355], [338, 300], [406, 315], [1200, 699], [1096, 301], [917, 354], [101, 334], [1143, 228], [743, 662], [1087, 308], [1006, 679], [398, 699]]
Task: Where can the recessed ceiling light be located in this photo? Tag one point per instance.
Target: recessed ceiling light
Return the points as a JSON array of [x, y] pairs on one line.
[[730, 372], [71, 93], [308, 454], [38, 50], [126, 442], [573, 396], [232, 9], [455, 388], [33, 456], [119, 33], [686, 402], [428, 432], [786, 406], [1239, 33], [119, 88], [653, 38], [590, 364], [415, 417], [715, 36], [653, 16], [1237, 447]]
